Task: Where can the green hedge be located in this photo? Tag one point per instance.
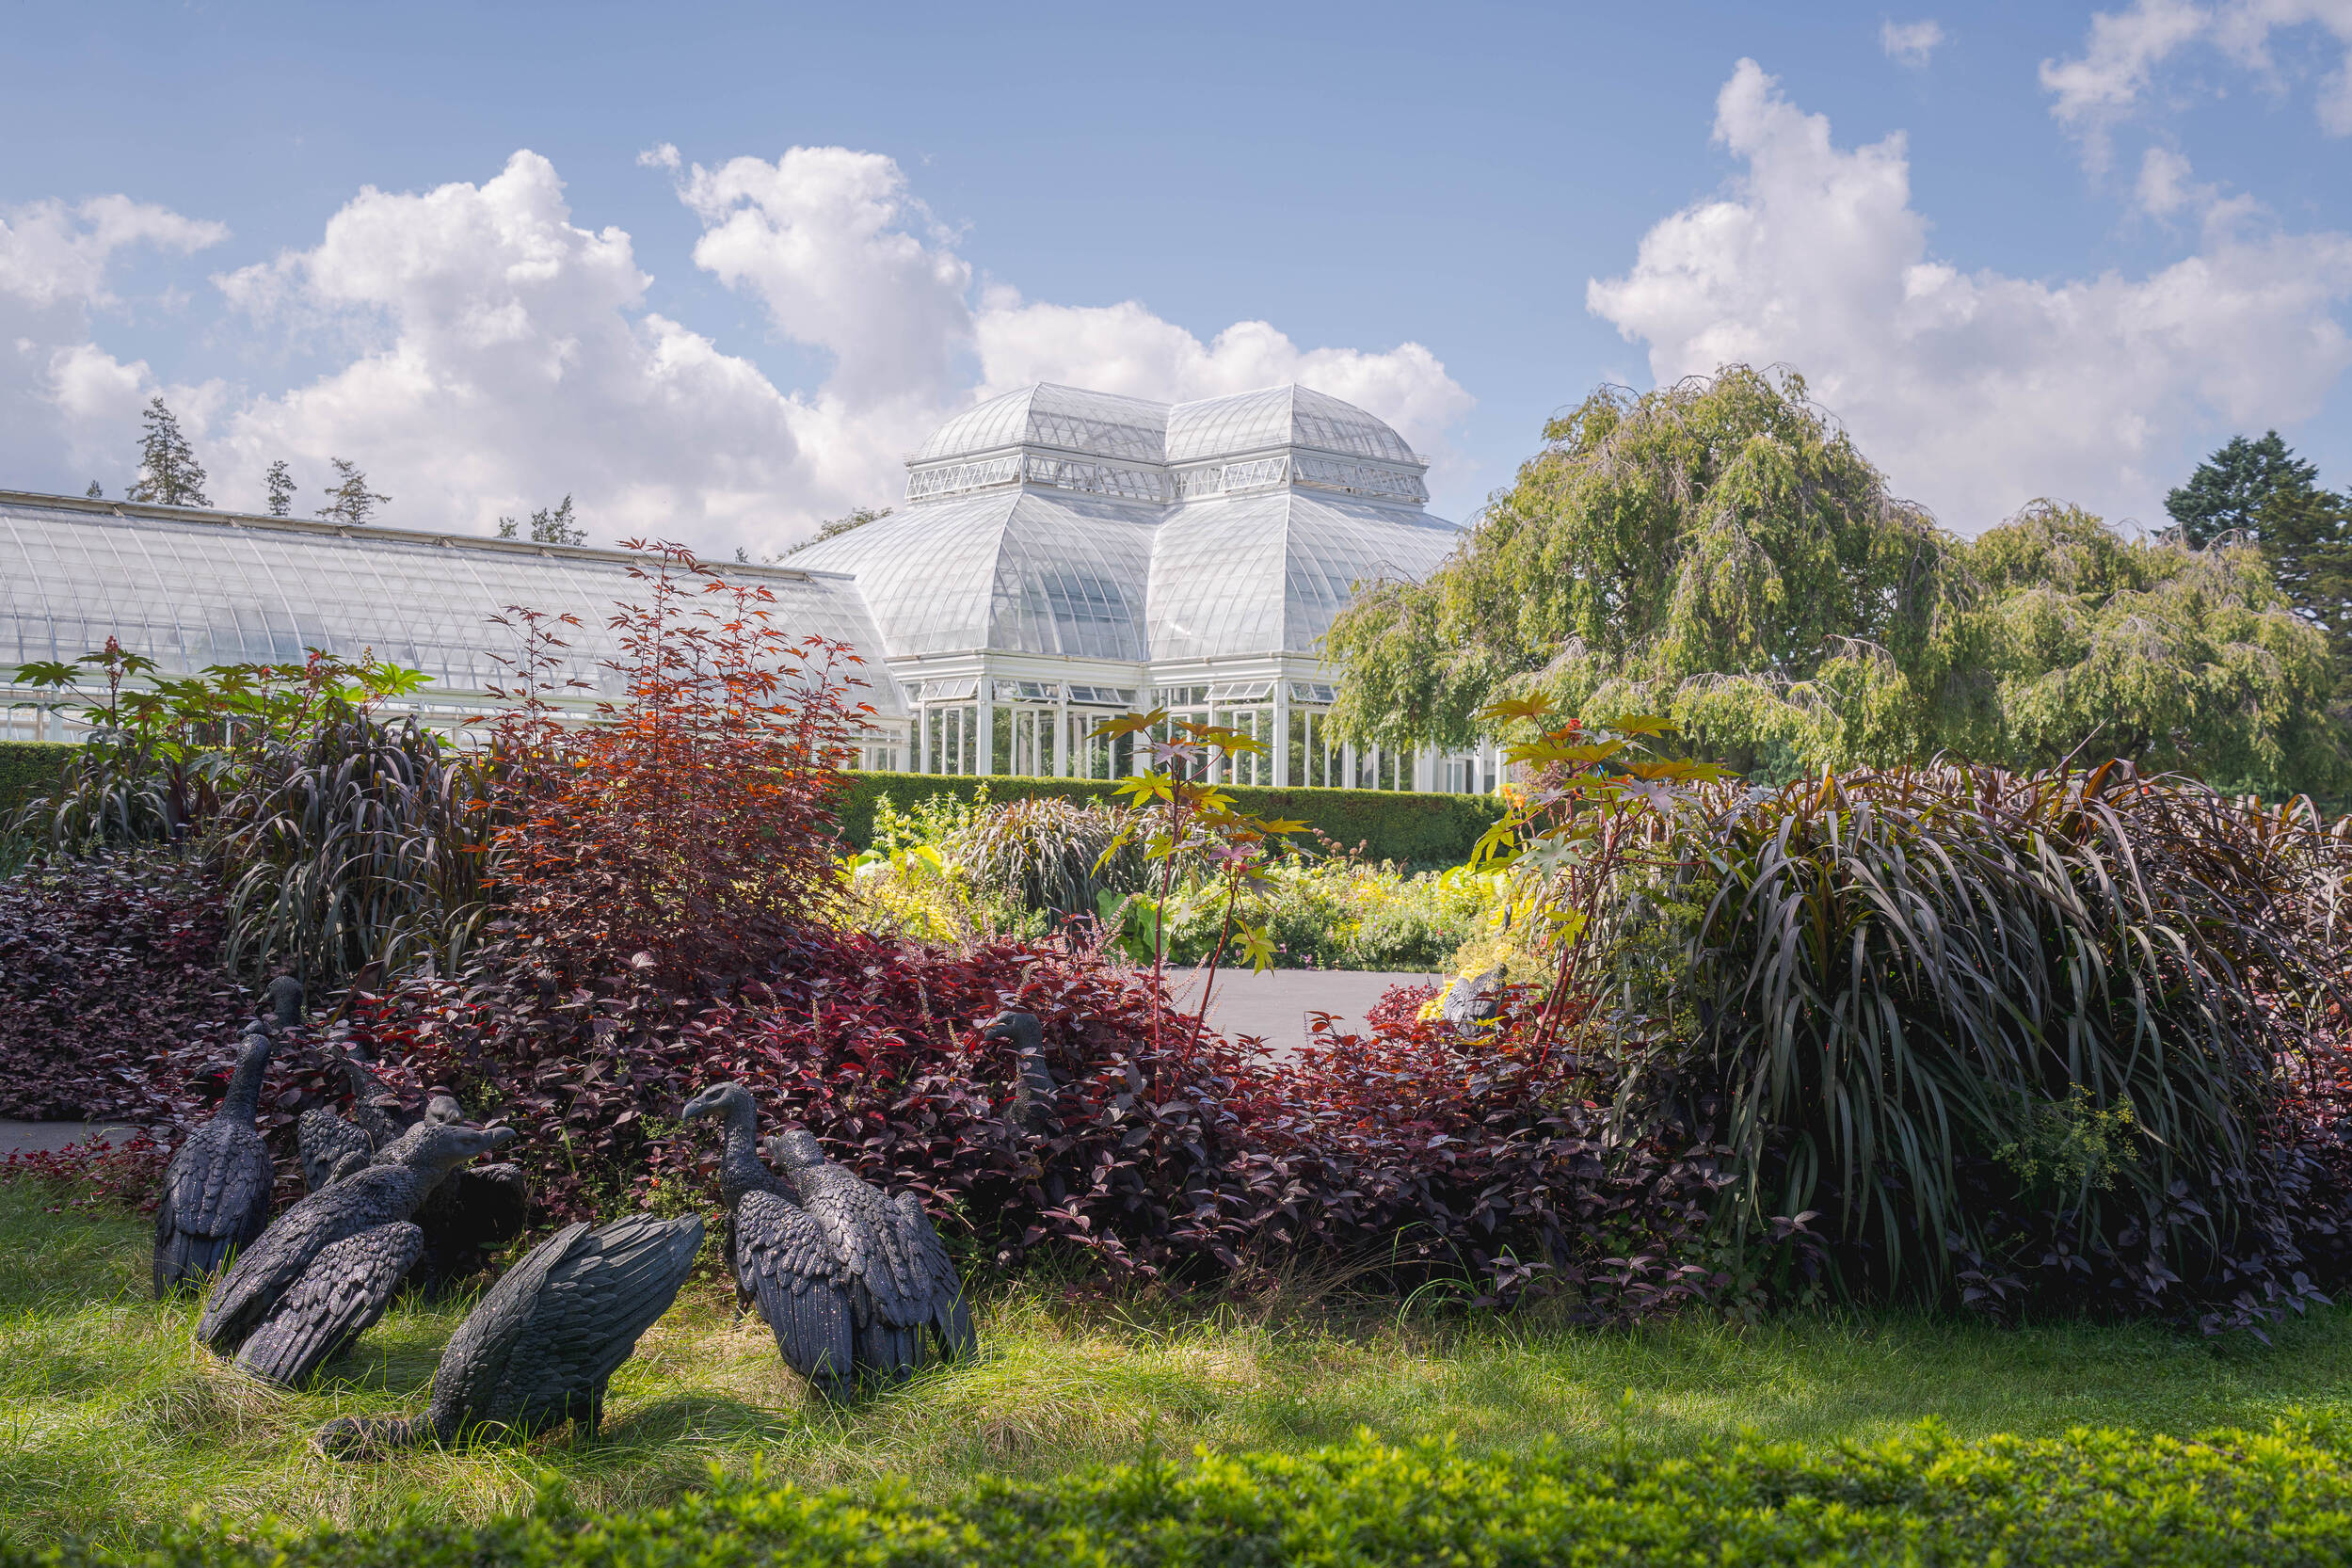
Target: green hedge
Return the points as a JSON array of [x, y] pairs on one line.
[[1416, 828], [25, 769], [2087, 1498]]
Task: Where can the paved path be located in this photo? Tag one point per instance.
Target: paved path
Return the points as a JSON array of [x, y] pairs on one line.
[[1274, 1005], [49, 1137]]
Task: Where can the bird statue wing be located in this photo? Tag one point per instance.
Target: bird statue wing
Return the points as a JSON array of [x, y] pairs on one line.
[[595, 1304], [781, 1262], [331, 1147], [218, 1178], [338, 1298], [950, 1314], [858, 1230], [264, 1272], [475, 1359]]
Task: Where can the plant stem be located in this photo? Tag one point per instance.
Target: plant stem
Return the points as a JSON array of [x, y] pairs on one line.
[[1233, 891]]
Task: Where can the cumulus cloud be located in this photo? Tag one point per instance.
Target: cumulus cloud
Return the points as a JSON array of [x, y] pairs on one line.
[[53, 254], [490, 353], [1975, 391], [2118, 67], [60, 393], [1911, 43], [844, 259], [511, 362]]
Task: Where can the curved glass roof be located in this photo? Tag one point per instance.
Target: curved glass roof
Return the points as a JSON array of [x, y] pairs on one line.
[[1101, 424], [1023, 570], [1267, 573], [191, 589], [1279, 417]]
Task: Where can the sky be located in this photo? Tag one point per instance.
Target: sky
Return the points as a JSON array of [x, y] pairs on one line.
[[712, 270]]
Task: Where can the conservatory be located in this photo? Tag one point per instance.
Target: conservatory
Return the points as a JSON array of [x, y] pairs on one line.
[[1065, 556]]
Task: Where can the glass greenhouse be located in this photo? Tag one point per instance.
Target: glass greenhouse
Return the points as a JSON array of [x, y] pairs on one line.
[[1062, 556], [1065, 555]]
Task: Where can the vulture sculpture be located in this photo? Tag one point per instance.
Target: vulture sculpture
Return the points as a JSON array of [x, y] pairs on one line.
[[851, 1283], [285, 995], [216, 1192], [545, 1341], [326, 1269], [1034, 1089], [331, 1147]]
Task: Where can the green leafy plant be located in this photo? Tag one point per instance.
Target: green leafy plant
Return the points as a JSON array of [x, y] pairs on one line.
[[1179, 818]]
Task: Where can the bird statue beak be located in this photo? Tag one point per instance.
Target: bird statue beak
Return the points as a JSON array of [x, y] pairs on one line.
[[501, 1136]]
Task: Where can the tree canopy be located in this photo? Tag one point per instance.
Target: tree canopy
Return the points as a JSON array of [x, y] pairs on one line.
[[351, 501], [1719, 552]]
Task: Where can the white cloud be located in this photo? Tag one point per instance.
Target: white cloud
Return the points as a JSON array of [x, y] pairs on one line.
[[1125, 349], [1911, 43], [53, 254], [844, 259], [510, 362], [2120, 59], [2165, 187], [1977, 391], [61, 395], [488, 354]]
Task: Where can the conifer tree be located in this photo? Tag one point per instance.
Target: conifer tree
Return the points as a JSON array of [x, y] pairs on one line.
[[280, 484], [94, 493], [168, 476], [351, 502]]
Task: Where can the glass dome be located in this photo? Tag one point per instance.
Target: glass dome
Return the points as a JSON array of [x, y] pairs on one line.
[[1277, 417], [1068, 419]]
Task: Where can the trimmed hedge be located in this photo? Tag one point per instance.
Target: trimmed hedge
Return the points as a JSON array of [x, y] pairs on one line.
[[2087, 1498], [1412, 828], [26, 768]]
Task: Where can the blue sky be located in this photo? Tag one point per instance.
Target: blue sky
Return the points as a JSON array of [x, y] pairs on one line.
[[2019, 249]]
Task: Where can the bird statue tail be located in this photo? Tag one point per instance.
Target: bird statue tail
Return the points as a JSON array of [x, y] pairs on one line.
[[373, 1437]]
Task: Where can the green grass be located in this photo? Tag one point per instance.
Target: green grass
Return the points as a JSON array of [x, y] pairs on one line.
[[113, 1424]]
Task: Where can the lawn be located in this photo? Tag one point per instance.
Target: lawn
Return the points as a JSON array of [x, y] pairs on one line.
[[112, 1422]]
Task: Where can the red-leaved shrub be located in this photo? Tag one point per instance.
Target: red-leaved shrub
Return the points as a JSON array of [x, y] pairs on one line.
[[108, 966]]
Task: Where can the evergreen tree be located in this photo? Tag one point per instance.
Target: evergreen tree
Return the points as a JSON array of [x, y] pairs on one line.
[[94, 493], [351, 501], [168, 476], [2263, 490], [280, 484], [549, 525]]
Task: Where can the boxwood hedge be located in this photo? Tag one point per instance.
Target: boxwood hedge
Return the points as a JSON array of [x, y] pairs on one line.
[[1411, 828], [2089, 1498]]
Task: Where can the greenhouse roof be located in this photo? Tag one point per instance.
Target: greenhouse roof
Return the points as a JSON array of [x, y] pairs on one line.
[[192, 588]]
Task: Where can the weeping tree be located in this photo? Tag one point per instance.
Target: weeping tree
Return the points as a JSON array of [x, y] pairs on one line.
[[2173, 658], [1720, 552], [1716, 552]]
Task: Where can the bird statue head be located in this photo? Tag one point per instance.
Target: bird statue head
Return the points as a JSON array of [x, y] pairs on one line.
[[796, 1150], [286, 999], [1022, 1029], [720, 1100], [444, 1148], [443, 1111]]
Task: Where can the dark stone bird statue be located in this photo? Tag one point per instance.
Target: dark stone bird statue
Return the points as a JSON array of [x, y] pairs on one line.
[[215, 1192], [851, 1283], [545, 1341], [326, 1269], [1034, 1089], [331, 1147], [284, 994]]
